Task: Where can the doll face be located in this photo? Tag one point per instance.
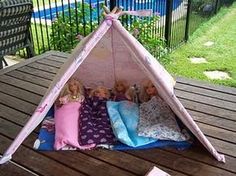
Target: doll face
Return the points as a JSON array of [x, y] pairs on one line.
[[151, 89], [101, 93], [73, 86], [120, 87]]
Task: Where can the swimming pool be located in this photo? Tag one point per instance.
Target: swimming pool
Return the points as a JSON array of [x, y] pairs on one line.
[[158, 6]]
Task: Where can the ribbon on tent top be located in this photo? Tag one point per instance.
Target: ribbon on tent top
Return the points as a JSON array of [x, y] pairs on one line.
[[117, 12]]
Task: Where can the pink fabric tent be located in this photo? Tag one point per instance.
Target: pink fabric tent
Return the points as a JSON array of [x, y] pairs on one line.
[[108, 54]]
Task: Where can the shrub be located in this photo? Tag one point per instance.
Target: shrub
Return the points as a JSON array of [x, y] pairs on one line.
[[67, 30], [144, 29]]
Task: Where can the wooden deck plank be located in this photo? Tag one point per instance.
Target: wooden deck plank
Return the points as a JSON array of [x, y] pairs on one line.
[[213, 120], [206, 85], [36, 162], [56, 58], [127, 161], [208, 109], [205, 92], [218, 133], [17, 104], [40, 73], [199, 154], [23, 84], [226, 148], [179, 163], [19, 93], [13, 115], [223, 104], [29, 78], [52, 63], [40, 66], [11, 169], [25, 62]]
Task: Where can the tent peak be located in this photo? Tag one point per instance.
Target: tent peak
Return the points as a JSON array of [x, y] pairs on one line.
[[117, 12]]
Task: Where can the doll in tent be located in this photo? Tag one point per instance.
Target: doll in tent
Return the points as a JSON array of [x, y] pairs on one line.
[[157, 120], [120, 88], [100, 92], [95, 127], [66, 116]]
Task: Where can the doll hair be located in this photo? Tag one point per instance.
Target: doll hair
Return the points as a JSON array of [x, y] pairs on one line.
[[122, 82], [144, 97], [98, 88], [66, 90]]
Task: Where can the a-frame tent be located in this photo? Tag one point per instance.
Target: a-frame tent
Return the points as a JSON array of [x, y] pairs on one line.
[[108, 54]]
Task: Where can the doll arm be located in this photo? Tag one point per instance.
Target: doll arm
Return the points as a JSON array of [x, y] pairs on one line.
[[64, 100]]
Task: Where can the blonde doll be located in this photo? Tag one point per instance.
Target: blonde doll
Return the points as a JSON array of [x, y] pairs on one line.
[[67, 116], [94, 122], [148, 91], [73, 91], [100, 92], [120, 88], [156, 119]]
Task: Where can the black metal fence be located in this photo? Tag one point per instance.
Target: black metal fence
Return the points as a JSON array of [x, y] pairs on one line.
[[60, 24]]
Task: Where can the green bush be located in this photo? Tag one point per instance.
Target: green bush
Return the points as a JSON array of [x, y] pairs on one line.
[[144, 29], [67, 31], [64, 36]]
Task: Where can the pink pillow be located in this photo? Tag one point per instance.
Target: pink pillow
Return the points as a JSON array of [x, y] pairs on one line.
[[66, 126]]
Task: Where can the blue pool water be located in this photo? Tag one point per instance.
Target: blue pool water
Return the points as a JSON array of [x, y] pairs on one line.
[[158, 6]]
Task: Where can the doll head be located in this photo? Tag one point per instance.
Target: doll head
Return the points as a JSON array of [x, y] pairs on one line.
[[101, 92], [148, 91], [73, 87], [121, 86]]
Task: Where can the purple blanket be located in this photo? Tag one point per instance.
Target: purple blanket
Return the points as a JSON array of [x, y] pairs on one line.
[[94, 125]]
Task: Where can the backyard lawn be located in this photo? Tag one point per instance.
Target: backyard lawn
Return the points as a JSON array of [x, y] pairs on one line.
[[220, 56]]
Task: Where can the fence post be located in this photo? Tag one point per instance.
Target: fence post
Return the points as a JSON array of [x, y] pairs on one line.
[[217, 6], [112, 4], [169, 9], [186, 35]]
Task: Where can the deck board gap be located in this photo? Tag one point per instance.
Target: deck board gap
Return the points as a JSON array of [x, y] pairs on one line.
[[195, 93], [33, 74], [208, 88], [55, 60], [41, 69], [46, 64], [197, 160], [210, 114], [28, 114], [28, 72], [156, 163], [181, 98], [97, 158], [19, 98], [215, 126], [27, 81]]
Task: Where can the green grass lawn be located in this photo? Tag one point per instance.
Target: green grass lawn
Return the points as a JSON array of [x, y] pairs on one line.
[[221, 29]]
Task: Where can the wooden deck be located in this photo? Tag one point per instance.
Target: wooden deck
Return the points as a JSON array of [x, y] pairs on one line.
[[23, 85]]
